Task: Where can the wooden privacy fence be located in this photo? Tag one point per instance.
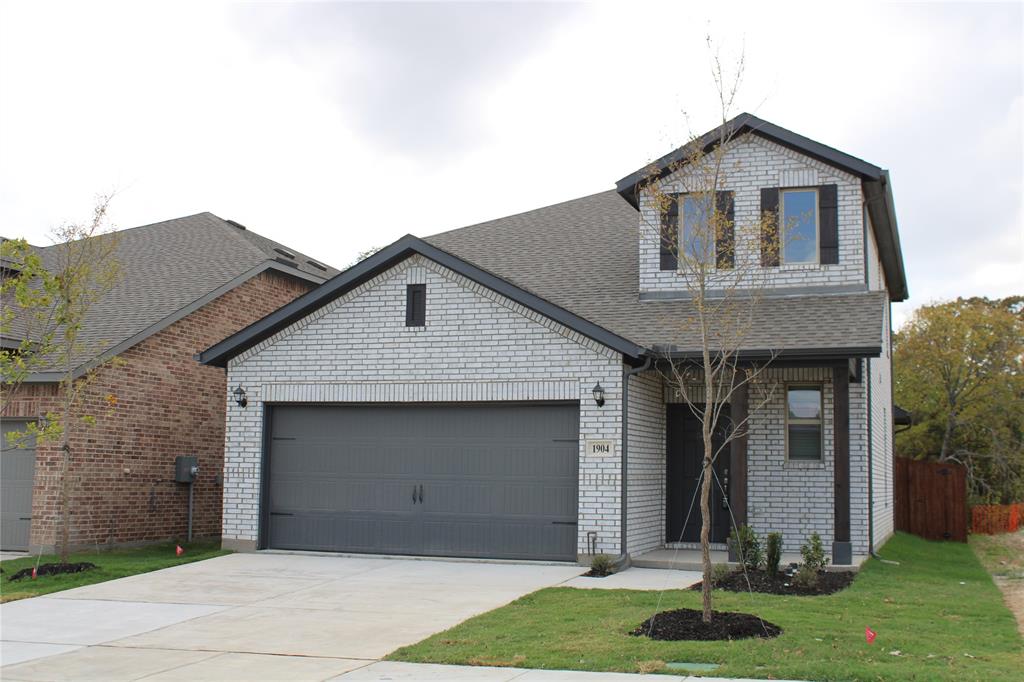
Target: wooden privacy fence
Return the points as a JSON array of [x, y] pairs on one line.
[[930, 499], [997, 518]]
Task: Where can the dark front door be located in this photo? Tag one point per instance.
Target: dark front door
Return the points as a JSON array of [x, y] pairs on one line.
[[483, 480], [683, 457]]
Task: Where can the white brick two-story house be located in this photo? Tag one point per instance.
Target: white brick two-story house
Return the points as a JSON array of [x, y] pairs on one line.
[[493, 391]]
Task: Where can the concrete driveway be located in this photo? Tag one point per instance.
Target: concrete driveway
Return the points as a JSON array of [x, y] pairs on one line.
[[253, 616]]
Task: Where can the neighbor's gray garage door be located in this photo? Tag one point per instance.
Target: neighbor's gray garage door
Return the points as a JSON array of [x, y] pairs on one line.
[[494, 480], [17, 471]]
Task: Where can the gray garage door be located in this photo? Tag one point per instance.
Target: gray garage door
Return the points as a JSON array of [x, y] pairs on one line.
[[17, 471], [495, 480]]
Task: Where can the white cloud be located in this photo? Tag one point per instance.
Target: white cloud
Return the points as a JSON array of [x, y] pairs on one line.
[[186, 107]]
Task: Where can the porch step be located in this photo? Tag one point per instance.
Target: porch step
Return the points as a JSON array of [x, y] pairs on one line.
[[690, 560]]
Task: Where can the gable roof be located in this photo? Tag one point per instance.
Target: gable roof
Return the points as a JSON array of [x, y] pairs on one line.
[[876, 183], [219, 354], [170, 269]]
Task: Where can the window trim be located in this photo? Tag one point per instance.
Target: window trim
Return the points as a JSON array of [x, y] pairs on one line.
[[820, 421], [817, 225]]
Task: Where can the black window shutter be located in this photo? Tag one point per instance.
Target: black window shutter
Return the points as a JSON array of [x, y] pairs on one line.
[[828, 230], [725, 240], [670, 234], [415, 305], [770, 244]]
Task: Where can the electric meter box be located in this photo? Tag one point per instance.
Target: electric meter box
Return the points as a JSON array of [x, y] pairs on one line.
[[185, 468]]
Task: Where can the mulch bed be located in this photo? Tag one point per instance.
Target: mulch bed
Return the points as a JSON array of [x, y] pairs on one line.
[[688, 624], [596, 574], [52, 569], [829, 582]]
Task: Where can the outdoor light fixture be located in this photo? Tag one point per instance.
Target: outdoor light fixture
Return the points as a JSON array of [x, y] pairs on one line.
[[598, 392], [240, 398]]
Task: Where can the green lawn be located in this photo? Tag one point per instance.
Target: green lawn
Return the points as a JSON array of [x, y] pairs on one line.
[[114, 563], [938, 615]]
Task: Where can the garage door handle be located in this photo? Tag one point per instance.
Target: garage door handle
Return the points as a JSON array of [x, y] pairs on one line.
[[421, 493], [414, 493], [281, 514], [564, 523], [25, 518]]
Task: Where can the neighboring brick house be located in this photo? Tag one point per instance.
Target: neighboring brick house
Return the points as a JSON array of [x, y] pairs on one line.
[[186, 284], [494, 391]]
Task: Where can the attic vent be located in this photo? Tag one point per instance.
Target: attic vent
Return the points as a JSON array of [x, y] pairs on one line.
[[318, 266], [237, 224], [283, 252]]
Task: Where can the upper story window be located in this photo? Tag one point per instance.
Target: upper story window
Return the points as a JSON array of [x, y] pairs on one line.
[[697, 244], [803, 423], [799, 220], [687, 230]]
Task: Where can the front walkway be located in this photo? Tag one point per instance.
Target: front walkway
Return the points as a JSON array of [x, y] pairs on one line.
[[276, 617]]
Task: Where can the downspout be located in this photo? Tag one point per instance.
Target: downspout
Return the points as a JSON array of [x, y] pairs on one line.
[[871, 464], [622, 561]]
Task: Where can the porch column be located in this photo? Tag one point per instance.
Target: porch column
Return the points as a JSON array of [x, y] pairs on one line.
[[842, 550], [738, 456]]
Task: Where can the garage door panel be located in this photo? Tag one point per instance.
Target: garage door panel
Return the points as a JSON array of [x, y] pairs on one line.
[[17, 476], [496, 480]]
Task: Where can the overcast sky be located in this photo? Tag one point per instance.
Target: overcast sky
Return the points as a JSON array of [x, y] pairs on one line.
[[335, 127]]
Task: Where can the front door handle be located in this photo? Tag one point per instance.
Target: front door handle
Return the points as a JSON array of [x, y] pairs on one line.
[[421, 493]]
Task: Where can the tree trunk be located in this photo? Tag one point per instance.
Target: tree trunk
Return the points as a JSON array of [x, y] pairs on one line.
[[705, 527], [947, 436]]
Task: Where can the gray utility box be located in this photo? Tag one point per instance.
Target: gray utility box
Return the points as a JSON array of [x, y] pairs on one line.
[[185, 468]]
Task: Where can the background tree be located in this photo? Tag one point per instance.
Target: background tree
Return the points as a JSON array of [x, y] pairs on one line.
[[958, 369], [687, 213], [51, 302]]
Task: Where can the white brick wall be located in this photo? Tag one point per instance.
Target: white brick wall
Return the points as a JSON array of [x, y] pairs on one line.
[[645, 523], [752, 163], [476, 345], [882, 453]]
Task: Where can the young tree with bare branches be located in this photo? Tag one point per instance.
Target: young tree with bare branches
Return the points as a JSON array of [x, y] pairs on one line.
[[687, 210]]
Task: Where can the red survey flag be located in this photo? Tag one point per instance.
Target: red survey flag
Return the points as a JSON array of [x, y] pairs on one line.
[[870, 635], [33, 573], [178, 550]]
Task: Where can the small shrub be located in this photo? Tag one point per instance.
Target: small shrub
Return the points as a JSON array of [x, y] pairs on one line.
[[773, 554], [746, 546], [813, 553], [720, 572], [601, 565], [806, 577]]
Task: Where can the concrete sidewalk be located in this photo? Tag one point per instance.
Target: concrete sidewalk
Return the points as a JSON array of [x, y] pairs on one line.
[[273, 617]]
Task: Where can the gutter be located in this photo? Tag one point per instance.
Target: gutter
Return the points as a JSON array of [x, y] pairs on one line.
[[622, 561]]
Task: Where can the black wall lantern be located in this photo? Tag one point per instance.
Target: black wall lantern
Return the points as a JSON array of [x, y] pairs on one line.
[[240, 398], [598, 392]]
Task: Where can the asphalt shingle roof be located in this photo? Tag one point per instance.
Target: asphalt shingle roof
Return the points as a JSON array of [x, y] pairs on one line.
[[168, 265], [582, 255]]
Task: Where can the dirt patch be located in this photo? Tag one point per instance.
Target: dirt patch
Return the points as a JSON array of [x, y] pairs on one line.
[[687, 624], [596, 574], [52, 569], [1003, 557], [829, 582]]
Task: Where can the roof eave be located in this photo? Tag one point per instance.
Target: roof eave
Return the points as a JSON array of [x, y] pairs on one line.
[[219, 354], [784, 355], [881, 207], [628, 187]]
